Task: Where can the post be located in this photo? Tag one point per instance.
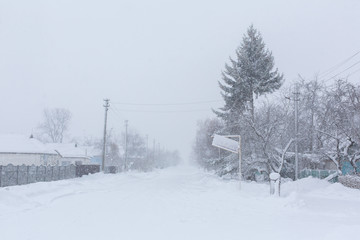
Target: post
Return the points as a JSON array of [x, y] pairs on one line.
[[17, 175], [126, 139], [147, 148], [27, 174], [36, 173], [296, 100], [154, 150], [232, 146], [240, 175], [106, 106]]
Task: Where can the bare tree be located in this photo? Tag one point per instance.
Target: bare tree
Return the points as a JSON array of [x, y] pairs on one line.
[[204, 153], [340, 126], [55, 124]]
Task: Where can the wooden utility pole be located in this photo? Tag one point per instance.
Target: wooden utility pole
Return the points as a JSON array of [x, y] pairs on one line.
[[106, 106]]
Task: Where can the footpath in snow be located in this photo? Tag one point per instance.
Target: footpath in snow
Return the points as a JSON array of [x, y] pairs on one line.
[[177, 203]]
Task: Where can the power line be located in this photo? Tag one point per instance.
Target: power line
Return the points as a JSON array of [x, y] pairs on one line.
[[116, 112], [358, 70], [356, 63], [166, 104], [119, 111], [333, 68], [163, 111]]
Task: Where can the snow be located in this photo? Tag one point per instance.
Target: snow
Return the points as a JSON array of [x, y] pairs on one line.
[[177, 203], [68, 150], [17, 143], [274, 176], [225, 143]]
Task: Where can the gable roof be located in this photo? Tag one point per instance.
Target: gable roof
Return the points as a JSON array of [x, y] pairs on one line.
[[17, 143], [68, 150]]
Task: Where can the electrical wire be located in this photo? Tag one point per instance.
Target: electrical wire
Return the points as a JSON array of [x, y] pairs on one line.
[[356, 63], [358, 70], [163, 111], [333, 68], [165, 104], [116, 113]]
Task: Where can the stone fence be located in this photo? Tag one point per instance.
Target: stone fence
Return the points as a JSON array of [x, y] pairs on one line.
[[11, 175]]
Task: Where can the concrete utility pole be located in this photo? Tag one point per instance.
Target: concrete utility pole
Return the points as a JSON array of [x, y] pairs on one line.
[[147, 147], [153, 150], [106, 106], [240, 175], [126, 140], [159, 149], [296, 100]]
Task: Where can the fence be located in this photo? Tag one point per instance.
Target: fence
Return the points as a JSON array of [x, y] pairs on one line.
[[86, 169], [11, 175], [321, 174]]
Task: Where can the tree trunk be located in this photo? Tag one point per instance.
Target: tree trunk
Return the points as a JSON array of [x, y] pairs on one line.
[[252, 110]]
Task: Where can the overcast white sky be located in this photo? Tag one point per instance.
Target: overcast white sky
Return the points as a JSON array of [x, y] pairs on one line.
[[73, 54]]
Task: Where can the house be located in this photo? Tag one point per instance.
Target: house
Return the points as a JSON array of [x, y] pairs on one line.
[[95, 154], [70, 153], [19, 149]]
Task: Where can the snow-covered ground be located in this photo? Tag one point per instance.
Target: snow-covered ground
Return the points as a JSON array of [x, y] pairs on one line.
[[177, 203]]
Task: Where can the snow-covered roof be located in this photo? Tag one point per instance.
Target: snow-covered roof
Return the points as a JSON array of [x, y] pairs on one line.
[[92, 151], [17, 143], [69, 150]]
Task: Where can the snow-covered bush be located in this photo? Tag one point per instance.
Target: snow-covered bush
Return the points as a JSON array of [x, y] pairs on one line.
[[352, 181]]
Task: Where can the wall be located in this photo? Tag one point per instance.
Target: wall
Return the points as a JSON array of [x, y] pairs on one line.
[[29, 159], [11, 175]]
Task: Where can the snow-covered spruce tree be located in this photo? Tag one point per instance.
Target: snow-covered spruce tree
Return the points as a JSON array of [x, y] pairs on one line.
[[250, 75]]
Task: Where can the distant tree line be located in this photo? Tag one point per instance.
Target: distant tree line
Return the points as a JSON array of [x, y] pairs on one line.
[[136, 153]]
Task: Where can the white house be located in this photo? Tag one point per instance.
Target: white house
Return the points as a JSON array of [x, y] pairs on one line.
[[70, 153], [19, 149]]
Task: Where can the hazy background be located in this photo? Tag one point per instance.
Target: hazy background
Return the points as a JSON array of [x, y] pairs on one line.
[[73, 54]]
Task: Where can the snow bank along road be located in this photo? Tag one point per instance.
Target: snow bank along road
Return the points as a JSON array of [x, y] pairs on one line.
[[178, 203]]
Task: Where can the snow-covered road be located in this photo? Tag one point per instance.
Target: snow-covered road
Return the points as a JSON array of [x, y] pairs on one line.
[[177, 203]]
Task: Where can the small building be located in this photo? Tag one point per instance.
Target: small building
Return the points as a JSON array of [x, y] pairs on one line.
[[70, 153], [19, 149]]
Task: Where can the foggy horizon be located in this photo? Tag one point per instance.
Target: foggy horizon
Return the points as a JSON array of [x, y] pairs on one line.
[[72, 55]]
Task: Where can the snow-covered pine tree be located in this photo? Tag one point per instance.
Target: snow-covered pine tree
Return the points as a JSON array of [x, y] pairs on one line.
[[252, 74]]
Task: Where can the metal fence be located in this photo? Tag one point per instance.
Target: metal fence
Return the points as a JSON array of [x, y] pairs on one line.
[[11, 175], [321, 174], [82, 170]]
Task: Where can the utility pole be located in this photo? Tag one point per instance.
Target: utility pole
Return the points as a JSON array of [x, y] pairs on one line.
[[126, 143], [106, 106], [240, 174], [296, 100], [147, 148], [154, 150], [159, 156], [159, 149]]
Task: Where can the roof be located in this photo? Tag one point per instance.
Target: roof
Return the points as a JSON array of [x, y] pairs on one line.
[[68, 150], [17, 143]]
